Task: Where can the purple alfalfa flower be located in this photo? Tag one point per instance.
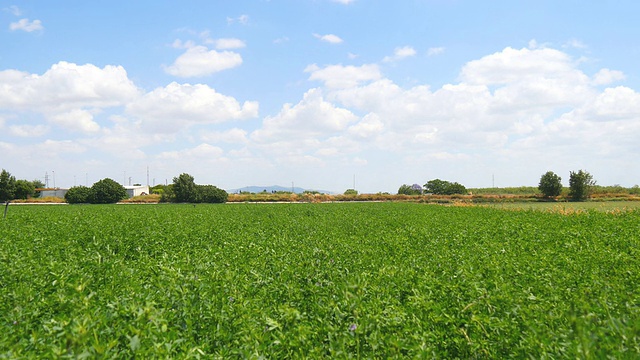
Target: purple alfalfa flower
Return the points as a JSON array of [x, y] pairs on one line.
[[353, 327], [231, 299]]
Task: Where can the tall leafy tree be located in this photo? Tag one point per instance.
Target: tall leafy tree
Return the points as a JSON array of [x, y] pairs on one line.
[[7, 186], [580, 185], [184, 188], [550, 184]]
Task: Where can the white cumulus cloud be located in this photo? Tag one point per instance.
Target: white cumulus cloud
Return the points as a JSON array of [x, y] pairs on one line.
[[26, 25], [232, 136], [201, 152], [400, 53], [28, 130], [66, 86], [76, 120], [175, 106], [369, 126], [606, 77], [67, 94], [311, 117], [329, 38], [513, 65], [228, 43], [339, 76], [200, 61]]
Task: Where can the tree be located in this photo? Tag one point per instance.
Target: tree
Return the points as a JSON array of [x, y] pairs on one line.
[[414, 189], [24, 189], [211, 194], [456, 188], [78, 195], [436, 186], [38, 184], [351, 192], [7, 186], [417, 189], [550, 184], [166, 193], [580, 185], [107, 191], [184, 188], [443, 187], [404, 189]]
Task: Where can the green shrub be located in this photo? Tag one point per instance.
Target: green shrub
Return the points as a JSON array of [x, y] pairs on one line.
[[107, 191], [78, 195], [210, 194]]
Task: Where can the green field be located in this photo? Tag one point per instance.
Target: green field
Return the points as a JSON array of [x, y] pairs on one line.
[[569, 207], [362, 280]]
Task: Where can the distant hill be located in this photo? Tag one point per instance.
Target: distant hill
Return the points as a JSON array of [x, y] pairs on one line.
[[273, 188]]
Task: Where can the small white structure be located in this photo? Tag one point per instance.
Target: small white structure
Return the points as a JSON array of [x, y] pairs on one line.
[[53, 192], [137, 190]]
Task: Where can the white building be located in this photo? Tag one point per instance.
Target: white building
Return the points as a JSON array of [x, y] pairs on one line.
[[137, 190]]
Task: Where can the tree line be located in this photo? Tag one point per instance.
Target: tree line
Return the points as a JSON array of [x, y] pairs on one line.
[[435, 187], [185, 190], [581, 184], [11, 189], [108, 191], [182, 190]]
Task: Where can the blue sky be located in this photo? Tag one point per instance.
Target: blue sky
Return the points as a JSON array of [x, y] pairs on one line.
[[313, 92]]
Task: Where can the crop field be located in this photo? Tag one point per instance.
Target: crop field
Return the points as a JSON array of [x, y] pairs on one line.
[[570, 207], [348, 280]]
